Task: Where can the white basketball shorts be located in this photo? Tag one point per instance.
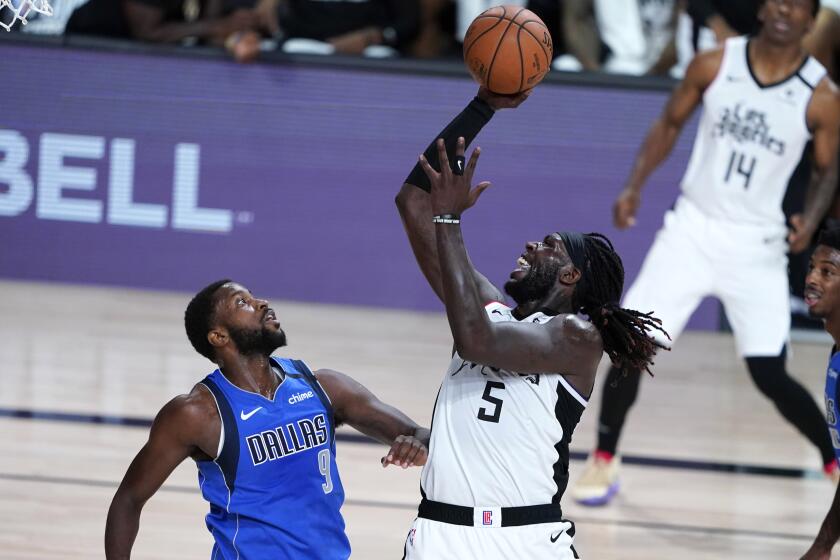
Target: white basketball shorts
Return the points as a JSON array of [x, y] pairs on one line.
[[435, 540], [745, 267]]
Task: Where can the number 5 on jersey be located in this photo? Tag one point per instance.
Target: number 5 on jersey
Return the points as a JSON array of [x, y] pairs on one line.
[[495, 401]]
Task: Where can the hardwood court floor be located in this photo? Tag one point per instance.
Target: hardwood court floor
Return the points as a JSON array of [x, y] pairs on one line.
[[72, 352]]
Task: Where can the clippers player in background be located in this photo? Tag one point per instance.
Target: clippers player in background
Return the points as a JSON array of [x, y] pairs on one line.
[[261, 430], [520, 377], [764, 98], [822, 295]]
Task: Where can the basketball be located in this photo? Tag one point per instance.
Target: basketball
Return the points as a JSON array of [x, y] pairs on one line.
[[507, 49]]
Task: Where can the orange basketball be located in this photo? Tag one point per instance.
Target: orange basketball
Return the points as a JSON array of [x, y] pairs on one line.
[[508, 49]]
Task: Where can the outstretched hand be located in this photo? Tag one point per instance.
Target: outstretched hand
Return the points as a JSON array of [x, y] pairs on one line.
[[625, 208], [498, 101], [450, 190], [406, 451]]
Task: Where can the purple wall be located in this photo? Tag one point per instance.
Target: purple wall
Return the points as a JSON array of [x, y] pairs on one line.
[[162, 172]]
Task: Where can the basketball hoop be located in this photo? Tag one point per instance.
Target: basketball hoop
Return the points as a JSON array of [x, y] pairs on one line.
[[23, 10]]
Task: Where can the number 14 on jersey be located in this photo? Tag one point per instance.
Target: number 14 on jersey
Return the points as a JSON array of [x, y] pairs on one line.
[[740, 164]]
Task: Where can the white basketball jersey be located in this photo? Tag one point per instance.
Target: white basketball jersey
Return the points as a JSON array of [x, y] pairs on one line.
[[749, 140], [500, 438]]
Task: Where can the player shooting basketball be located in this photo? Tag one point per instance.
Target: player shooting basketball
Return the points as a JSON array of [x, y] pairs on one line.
[[520, 376]]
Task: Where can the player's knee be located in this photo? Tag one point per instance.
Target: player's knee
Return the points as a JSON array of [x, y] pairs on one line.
[[623, 384]]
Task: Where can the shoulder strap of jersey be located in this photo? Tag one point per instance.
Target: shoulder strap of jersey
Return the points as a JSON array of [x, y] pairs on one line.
[[228, 459], [812, 72], [735, 58], [310, 378]]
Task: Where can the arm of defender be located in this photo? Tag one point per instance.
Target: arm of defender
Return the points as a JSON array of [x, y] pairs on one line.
[[354, 404], [829, 533], [663, 134], [171, 440], [824, 120]]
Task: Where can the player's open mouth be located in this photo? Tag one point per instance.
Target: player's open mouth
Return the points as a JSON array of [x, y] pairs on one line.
[[811, 297], [270, 316], [521, 266]]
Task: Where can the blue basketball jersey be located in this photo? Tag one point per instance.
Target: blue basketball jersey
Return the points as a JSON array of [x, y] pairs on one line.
[[274, 489], [831, 403]]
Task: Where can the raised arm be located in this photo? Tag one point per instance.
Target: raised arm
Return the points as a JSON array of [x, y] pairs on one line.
[[824, 121], [566, 344], [829, 532], [663, 134], [413, 199], [172, 439], [355, 405]]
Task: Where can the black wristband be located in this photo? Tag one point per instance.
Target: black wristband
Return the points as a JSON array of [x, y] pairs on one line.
[[468, 124]]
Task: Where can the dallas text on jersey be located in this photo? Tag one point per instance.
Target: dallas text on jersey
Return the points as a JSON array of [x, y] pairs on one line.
[[292, 438]]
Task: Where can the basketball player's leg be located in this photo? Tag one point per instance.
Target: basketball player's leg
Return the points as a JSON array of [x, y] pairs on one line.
[[757, 303], [433, 540], [673, 280]]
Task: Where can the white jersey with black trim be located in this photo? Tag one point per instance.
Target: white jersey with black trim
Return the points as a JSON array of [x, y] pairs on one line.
[[500, 438], [749, 141]]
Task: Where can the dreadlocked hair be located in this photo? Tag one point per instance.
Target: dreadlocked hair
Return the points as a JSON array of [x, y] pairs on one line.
[[625, 332]]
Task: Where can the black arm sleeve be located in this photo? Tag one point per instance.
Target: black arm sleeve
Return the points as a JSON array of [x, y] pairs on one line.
[[468, 124]]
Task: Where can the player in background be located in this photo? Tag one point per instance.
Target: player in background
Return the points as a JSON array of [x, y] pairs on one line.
[[822, 295], [824, 39], [764, 98], [261, 430], [520, 376]]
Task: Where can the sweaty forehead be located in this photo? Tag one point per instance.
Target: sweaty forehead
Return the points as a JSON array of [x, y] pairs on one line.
[[825, 253], [229, 290]]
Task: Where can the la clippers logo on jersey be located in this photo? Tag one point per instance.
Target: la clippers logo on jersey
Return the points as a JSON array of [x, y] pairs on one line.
[[747, 125], [473, 365], [488, 518], [292, 438], [533, 378]]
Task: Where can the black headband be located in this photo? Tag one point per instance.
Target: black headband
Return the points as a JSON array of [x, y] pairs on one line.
[[576, 247]]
